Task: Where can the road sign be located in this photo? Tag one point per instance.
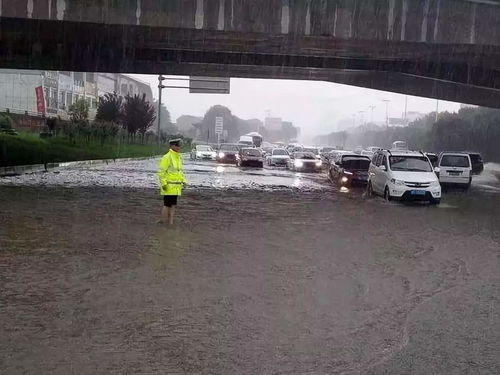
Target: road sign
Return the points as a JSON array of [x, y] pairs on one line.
[[209, 85], [219, 125]]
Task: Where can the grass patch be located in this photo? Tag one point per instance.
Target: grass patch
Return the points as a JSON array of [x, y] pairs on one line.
[[26, 148]]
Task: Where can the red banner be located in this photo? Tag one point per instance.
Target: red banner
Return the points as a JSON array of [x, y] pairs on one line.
[[40, 100]]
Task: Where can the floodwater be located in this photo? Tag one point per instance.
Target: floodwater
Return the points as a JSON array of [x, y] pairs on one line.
[[266, 271]]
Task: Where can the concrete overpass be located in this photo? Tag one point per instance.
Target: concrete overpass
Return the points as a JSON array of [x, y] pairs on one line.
[[446, 49]]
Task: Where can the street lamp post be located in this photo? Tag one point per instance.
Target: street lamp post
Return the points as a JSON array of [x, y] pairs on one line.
[[372, 107], [386, 101], [160, 88]]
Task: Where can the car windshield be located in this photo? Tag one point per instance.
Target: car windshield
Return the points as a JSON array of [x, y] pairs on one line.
[[280, 152], [410, 163], [461, 161], [251, 152], [355, 164], [203, 148], [304, 155], [229, 148]]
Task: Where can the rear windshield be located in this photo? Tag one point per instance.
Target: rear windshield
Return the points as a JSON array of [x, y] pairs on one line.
[[229, 148], [251, 152], [355, 164], [460, 161], [203, 148], [304, 155], [410, 163], [280, 152]]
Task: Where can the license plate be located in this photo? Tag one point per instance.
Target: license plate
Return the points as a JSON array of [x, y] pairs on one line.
[[455, 173], [417, 192]]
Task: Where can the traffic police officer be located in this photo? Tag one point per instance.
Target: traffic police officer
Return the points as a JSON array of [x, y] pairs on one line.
[[172, 180]]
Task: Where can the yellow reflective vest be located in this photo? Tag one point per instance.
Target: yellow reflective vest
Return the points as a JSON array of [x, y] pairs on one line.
[[171, 174]]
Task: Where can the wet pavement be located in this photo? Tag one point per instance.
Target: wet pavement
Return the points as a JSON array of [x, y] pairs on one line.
[[267, 271]]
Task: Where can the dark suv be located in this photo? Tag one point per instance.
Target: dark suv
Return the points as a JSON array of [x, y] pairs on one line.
[[477, 162]]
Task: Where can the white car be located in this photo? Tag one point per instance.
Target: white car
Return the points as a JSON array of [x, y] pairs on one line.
[[203, 152], [278, 156], [454, 168], [403, 175]]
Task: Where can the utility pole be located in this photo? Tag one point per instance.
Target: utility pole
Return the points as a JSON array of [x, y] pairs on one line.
[[406, 109], [437, 110], [386, 101], [372, 107], [160, 88]]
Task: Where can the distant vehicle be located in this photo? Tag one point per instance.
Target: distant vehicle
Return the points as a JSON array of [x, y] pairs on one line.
[[358, 150], [293, 147], [403, 175], [304, 161], [313, 150], [228, 153], [250, 157], [455, 168], [278, 156], [477, 162], [252, 139], [350, 169], [246, 140], [399, 145], [203, 152], [333, 154], [323, 151], [367, 153], [373, 149], [433, 158]]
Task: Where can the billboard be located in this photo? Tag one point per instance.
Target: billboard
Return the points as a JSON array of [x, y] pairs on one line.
[[209, 85], [40, 100]]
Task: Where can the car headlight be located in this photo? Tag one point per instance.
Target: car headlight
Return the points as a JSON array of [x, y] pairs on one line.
[[397, 182], [221, 154], [344, 179], [348, 173], [298, 163], [435, 183], [318, 163], [198, 154]]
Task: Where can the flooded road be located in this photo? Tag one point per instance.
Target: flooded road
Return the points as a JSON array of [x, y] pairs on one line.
[[267, 271]]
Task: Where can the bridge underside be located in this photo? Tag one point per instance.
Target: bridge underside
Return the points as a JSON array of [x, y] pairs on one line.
[[465, 73]]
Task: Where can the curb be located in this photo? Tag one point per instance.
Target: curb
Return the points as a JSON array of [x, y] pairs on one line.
[[38, 168]]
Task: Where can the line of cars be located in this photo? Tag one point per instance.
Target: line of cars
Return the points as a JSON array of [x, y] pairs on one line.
[[230, 153], [401, 174]]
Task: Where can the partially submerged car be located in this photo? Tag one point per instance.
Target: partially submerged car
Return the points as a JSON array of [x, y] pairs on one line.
[[278, 156], [203, 152], [228, 153], [350, 169], [304, 161], [250, 157]]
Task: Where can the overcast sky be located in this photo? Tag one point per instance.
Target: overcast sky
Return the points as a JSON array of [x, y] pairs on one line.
[[316, 107]]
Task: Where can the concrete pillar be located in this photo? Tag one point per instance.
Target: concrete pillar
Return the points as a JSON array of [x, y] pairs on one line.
[[285, 17], [472, 37], [199, 17], [404, 11]]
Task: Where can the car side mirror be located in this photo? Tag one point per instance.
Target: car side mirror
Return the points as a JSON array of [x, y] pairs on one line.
[[437, 170], [383, 168]]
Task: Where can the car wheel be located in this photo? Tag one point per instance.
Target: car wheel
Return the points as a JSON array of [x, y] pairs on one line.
[[387, 195], [369, 190]]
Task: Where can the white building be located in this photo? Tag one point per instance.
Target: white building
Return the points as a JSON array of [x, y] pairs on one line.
[[61, 89]]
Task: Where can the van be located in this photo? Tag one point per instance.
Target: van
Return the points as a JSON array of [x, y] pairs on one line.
[[454, 168]]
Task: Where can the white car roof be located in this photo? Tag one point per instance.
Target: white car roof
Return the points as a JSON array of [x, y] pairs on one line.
[[403, 153]]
